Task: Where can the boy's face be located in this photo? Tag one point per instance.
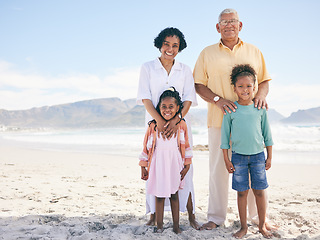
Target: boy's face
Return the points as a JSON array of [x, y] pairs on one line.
[[244, 88]]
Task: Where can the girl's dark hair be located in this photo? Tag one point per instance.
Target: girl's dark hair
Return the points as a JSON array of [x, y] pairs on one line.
[[242, 70], [171, 92], [169, 32]]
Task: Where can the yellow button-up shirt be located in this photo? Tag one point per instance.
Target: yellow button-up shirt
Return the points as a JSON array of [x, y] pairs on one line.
[[213, 69]]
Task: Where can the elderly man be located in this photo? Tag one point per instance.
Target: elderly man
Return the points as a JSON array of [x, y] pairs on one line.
[[212, 82]]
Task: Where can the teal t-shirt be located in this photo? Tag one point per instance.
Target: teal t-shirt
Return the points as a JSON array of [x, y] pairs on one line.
[[248, 128]]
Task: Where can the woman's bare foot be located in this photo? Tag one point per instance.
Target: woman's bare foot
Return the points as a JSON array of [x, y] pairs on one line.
[[152, 220], [263, 230], [158, 230], [209, 225], [176, 230], [194, 223], [241, 233]]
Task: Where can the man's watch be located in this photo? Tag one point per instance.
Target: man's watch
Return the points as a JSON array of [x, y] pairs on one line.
[[216, 99]]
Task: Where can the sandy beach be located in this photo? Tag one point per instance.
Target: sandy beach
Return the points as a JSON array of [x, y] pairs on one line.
[[69, 195]]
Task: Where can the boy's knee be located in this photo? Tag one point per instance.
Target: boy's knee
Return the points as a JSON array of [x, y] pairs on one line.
[[243, 194], [258, 193]]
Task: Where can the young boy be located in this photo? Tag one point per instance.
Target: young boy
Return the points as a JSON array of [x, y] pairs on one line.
[[249, 130]]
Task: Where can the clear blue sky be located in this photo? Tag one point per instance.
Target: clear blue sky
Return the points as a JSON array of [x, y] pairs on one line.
[[60, 51]]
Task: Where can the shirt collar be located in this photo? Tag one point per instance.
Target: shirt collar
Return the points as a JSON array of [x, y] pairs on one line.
[[240, 42], [176, 64]]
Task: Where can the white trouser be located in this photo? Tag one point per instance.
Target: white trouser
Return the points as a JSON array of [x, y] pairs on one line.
[[219, 182]]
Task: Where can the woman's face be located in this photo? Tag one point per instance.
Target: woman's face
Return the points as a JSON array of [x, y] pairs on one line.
[[170, 48]]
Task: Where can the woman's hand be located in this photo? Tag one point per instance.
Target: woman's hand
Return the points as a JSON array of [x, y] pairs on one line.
[[144, 173], [171, 128], [184, 171], [162, 127]]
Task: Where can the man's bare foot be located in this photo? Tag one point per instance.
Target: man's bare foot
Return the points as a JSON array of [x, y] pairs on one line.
[[263, 230], [209, 225], [270, 226], [241, 233], [194, 223], [152, 220]]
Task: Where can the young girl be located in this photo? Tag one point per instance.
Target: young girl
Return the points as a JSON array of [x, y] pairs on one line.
[[165, 162], [250, 132]]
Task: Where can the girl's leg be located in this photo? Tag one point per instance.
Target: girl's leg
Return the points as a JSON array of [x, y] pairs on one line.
[[174, 202], [159, 213], [242, 208], [192, 217], [262, 209]]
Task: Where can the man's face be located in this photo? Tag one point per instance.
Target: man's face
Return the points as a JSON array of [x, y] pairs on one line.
[[229, 27]]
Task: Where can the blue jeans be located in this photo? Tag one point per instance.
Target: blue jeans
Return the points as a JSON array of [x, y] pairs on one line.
[[245, 164]]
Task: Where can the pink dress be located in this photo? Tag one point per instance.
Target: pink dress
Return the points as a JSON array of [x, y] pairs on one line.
[[166, 165]]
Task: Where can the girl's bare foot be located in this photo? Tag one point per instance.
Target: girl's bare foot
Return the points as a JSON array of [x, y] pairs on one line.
[[158, 230], [241, 233], [263, 230], [271, 226]]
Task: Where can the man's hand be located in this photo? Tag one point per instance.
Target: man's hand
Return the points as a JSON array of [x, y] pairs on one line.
[[225, 104]]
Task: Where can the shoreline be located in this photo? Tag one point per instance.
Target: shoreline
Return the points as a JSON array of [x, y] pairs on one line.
[[51, 194]]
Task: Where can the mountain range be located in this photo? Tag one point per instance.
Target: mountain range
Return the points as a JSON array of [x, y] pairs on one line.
[[113, 112]]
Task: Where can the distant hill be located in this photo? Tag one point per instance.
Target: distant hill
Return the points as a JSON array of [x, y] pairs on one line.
[[308, 116], [113, 112]]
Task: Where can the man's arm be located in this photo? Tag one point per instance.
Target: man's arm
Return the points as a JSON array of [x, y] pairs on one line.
[[206, 94], [260, 98]]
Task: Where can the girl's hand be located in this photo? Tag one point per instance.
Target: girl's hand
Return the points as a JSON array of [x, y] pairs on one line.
[[229, 166], [184, 171], [144, 173], [268, 163]]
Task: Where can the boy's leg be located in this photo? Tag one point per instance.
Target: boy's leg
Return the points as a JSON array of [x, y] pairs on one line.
[[174, 201], [262, 209], [242, 208], [159, 212]]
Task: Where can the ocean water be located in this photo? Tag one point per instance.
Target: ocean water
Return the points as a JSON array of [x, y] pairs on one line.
[[292, 144]]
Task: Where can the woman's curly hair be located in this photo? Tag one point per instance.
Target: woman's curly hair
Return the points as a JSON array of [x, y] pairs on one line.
[[242, 70], [169, 32]]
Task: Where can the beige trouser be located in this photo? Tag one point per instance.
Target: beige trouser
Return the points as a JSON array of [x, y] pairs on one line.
[[219, 182]]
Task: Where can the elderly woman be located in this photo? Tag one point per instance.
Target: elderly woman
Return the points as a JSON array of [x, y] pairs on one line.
[[155, 77]]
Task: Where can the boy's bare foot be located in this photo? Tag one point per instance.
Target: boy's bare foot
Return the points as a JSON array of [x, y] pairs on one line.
[[263, 230], [209, 225], [241, 233]]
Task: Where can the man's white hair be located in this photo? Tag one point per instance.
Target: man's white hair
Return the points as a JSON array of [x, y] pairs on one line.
[[227, 11]]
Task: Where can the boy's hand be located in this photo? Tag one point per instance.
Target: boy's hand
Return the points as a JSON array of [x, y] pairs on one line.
[[229, 166], [184, 171], [268, 163], [144, 173]]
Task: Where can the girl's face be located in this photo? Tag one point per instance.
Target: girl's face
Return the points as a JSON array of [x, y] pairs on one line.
[[244, 88], [170, 48], [168, 108]]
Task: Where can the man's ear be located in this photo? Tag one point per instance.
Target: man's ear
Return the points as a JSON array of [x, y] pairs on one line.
[[218, 28]]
